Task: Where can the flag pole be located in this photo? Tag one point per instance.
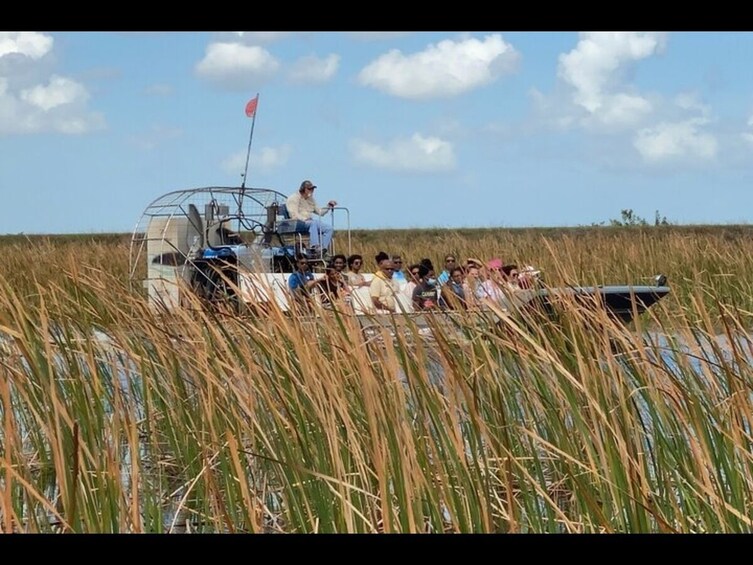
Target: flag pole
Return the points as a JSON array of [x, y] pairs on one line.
[[250, 110]]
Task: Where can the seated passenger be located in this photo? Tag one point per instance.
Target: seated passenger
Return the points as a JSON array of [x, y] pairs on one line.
[[492, 286], [302, 206], [398, 276], [449, 264], [383, 289], [471, 284], [338, 262], [511, 275], [452, 293], [354, 276], [413, 279], [301, 282], [331, 288], [425, 295]]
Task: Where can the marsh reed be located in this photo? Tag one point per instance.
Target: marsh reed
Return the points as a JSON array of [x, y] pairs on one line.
[[118, 418]]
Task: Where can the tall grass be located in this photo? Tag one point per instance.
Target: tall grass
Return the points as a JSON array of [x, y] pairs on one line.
[[118, 418]]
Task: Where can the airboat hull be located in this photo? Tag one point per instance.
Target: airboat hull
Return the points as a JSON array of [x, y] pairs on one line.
[[622, 302]]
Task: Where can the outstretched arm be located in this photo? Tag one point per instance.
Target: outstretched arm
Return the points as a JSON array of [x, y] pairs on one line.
[[324, 209]]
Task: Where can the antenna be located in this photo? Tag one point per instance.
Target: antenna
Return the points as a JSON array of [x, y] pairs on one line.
[[251, 113]]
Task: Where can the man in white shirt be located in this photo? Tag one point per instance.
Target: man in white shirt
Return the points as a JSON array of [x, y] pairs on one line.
[[302, 206]]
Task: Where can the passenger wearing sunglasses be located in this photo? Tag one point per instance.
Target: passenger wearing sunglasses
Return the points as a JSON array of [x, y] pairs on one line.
[[398, 276], [449, 265], [301, 282], [413, 279], [354, 275], [383, 289]]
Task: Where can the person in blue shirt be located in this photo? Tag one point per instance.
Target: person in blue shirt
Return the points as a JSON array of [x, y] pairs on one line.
[[449, 265], [398, 275], [301, 281]]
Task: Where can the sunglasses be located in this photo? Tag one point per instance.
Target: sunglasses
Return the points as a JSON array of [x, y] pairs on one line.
[[414, 273]]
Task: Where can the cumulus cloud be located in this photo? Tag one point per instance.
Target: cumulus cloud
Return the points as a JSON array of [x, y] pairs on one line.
[[236, 66], [313, 69], [623, 110], [28, 105], [418, 153], [445, 69], [31, 44], [595, 70], [676, 141], [59, 91], [599, 97], [266, 159]]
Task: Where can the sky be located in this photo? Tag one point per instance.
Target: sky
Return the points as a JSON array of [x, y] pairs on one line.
[[405, 129]]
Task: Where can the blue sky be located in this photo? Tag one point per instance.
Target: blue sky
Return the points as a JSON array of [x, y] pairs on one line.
[[406, 129]]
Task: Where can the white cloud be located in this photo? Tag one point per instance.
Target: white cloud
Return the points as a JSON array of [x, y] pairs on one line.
[[623, 110], [312, 69], [595, 70], [675, 141], [416, 154], [446, 69], [58, 92], [266, 159], [32, 44], [58, 103], [236, 66]]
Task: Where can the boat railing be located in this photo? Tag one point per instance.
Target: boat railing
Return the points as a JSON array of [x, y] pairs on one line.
[[347, 218]]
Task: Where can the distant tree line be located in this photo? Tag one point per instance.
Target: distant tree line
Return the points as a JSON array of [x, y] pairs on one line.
[[629, 218]]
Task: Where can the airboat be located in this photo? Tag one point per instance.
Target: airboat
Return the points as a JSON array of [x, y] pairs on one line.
[[238, 244]]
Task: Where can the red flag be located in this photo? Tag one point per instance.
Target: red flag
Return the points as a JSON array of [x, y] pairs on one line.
[[251, 106]]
